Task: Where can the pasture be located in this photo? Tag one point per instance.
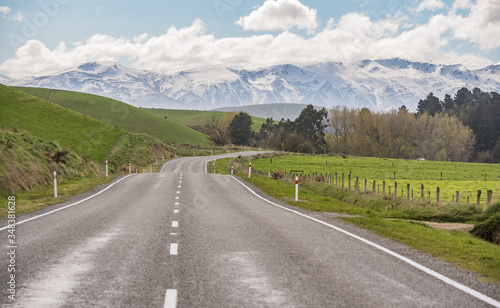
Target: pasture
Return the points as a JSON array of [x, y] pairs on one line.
[[450, 177]]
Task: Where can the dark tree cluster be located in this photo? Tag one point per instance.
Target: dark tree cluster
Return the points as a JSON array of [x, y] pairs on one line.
[[305, 135], [476, 109]]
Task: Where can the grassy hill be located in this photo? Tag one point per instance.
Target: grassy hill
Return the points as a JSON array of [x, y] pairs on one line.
[[86, 136], [122, 115], [196, 117], [38, 137], [275, 111]]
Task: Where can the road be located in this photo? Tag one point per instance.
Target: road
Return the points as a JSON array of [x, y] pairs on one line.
[[184, 238]]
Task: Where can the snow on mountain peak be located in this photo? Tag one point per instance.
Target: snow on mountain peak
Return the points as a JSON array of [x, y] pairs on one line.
[[376, 84], [101, 67]]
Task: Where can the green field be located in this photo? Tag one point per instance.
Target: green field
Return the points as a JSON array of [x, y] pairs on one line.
[[196, 117], [466, 178], [69, 129], [116, 113]]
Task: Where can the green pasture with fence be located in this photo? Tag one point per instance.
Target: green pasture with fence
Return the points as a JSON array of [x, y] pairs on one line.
[[452, 179]]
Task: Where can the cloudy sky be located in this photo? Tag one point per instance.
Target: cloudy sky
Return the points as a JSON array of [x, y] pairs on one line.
[[45, 36]]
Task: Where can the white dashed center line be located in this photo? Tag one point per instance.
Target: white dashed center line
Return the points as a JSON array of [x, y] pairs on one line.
[[170, 299], [174, 247]]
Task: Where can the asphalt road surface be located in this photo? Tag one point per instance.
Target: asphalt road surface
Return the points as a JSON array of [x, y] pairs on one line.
[[184, 238]]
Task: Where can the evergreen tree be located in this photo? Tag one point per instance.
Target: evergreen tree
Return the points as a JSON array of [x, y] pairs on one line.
[[430, 104], [311, 125], [240, 129]]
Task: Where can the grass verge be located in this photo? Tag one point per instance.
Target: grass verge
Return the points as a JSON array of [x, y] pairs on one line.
[[30, 201], [457, 247]]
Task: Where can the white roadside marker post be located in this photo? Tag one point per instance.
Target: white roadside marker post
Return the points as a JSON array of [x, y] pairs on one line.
[[129, 168], [232, 170], [55, 184], [296, 188], [106, 168], [250, 170]]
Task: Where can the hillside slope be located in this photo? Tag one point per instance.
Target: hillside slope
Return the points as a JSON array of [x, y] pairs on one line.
[[275, 111], [84, 135], [196, 117], [122, 115]]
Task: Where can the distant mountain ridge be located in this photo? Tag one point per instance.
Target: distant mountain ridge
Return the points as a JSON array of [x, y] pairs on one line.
[[376, 84]]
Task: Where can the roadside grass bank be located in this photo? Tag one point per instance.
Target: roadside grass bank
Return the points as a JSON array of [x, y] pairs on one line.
[[30, 201], [390, 218]]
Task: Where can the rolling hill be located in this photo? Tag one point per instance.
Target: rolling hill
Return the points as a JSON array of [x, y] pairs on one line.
[[275, 111], [121, 115], [69, 129], [196, 117]]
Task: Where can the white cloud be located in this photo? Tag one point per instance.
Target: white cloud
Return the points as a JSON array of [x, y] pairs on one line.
[[17, 17], [460, 4], [481, 26], [430, 5], [5, 9], [353, 37], [280, 15]]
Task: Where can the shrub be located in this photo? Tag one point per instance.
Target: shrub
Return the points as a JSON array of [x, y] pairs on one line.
[[278, 175], [489, 230]]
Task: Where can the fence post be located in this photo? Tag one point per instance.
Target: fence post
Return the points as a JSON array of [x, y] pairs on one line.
[[336, 180], [349, 181], [296, 188], [457, 198], [374, 186], [55, 184], [408, 191], [489, 197], [422, 191], [342, 181], [357, 183], [437, 194], [395, 189], [478, 197], [383, 188], [364, 185]]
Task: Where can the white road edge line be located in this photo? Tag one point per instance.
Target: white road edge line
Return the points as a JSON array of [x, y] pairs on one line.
[[427, 270], [164, 166], [170, 299], [67, 206]]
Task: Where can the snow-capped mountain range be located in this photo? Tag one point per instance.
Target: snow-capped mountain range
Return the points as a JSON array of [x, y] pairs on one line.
[[375, 84]]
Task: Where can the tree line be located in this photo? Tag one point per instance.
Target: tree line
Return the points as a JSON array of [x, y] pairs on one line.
[[399, 134], [463, 128], [476, 109], [306, 134]]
